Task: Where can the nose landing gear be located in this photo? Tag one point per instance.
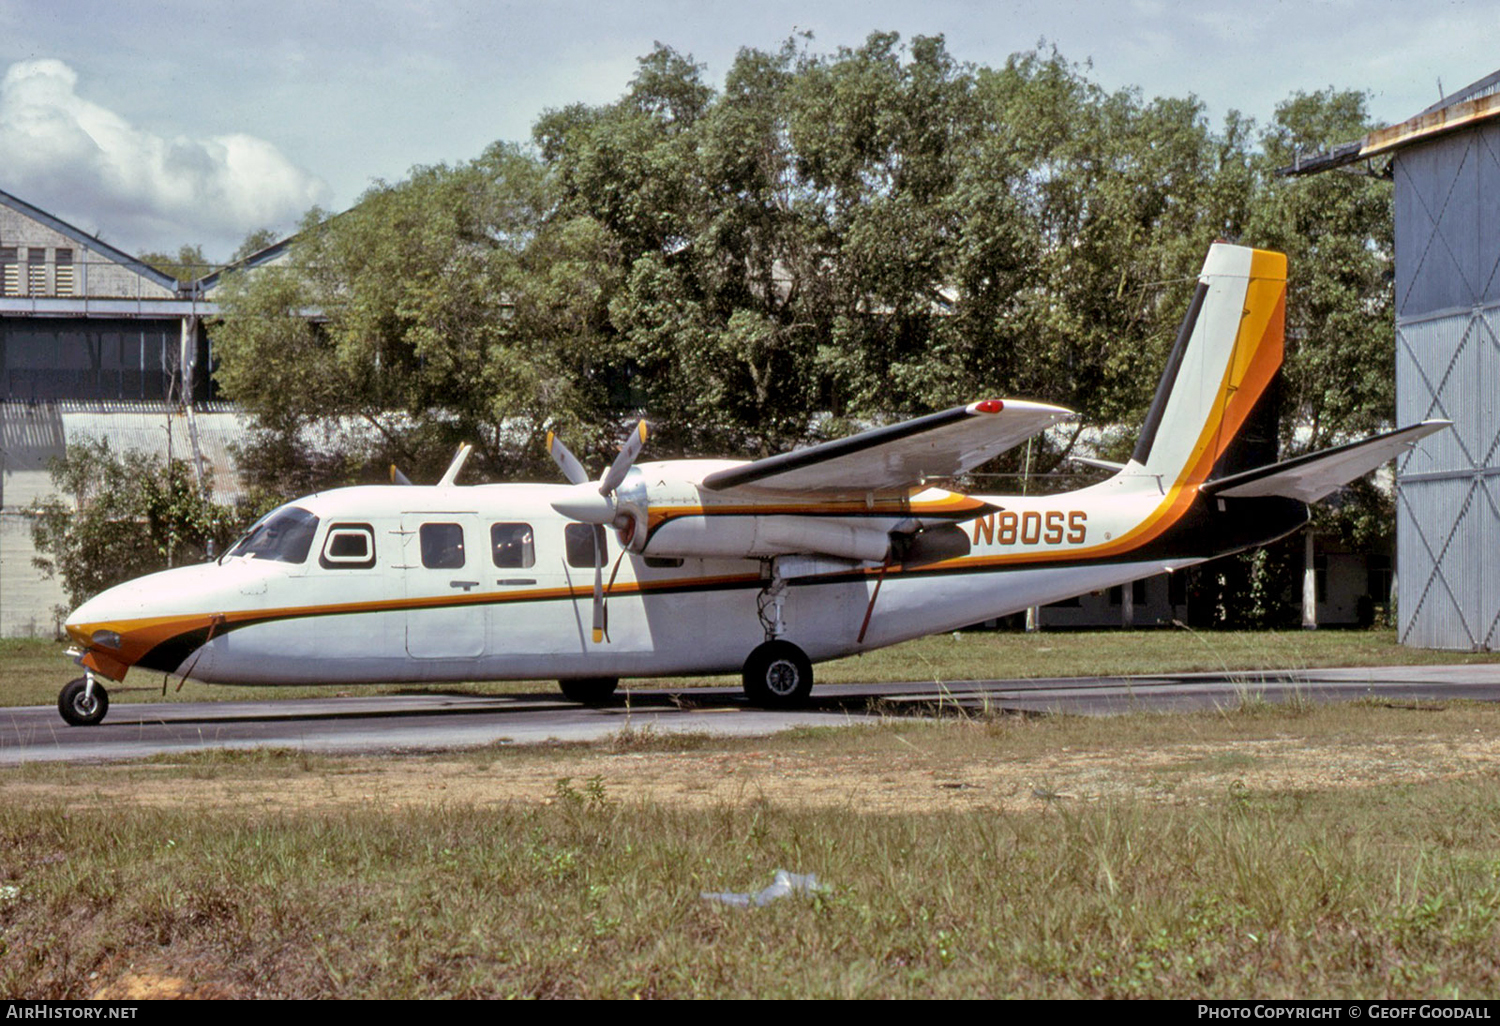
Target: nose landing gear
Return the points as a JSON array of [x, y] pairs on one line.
[[83, 702]]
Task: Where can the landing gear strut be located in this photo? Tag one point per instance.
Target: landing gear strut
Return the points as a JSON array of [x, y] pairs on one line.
[[777, 674], [83, 702]]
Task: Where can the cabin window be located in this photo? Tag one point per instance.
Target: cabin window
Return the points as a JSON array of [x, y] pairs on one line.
[[284, 535], [349, 547], [511, 545], [442, 546], [580, 544]]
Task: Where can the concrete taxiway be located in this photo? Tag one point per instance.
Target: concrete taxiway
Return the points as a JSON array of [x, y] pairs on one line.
[[443, 721]]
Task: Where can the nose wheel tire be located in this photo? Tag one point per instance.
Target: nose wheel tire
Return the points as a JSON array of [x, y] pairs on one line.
[[589, 690], [778, 675], [80, 708]]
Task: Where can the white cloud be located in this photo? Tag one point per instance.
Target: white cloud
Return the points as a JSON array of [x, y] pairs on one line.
[[75, 158]]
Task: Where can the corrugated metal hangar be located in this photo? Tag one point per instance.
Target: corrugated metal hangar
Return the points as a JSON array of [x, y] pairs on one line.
[[1446, 166], [1448, 365], [93, 344]]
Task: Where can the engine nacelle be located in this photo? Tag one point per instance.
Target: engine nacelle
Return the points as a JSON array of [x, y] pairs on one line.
[[754, 537], [671, 517]]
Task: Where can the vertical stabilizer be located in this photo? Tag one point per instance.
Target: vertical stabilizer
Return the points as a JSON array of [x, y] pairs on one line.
[[1215, 409]]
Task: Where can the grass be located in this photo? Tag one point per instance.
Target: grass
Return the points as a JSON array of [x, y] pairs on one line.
[[1207, 890], [1261, 850], [32, 672]]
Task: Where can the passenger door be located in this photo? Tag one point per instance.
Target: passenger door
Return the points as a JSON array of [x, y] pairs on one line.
[[443, 564]]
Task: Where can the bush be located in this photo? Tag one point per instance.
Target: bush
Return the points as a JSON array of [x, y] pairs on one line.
[[130, 514]]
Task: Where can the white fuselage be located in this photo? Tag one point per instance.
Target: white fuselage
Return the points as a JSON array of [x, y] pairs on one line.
[[450, 583], [394, 618]]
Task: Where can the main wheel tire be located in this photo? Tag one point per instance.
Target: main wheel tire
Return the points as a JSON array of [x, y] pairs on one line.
[[79, 708], [589, 690], [778, 675]]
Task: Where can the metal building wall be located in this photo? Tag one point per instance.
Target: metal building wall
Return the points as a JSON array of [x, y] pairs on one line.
[[1448, 365], [32, 434]]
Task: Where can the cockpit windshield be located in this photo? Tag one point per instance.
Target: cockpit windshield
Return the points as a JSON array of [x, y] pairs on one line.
[[285, 536]]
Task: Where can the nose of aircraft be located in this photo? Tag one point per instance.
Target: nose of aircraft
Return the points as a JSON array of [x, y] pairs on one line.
[[151, 621]]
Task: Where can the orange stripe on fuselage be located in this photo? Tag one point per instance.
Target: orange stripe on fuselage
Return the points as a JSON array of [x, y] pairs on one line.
[[952, 506]]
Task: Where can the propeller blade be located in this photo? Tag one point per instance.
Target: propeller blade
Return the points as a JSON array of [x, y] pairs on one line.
[[601, 623], [628, 452], [398, 478], [459, 459], [566, 461]]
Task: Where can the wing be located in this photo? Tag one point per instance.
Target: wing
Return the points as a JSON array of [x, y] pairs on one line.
[[1315, 475], [899, 456]]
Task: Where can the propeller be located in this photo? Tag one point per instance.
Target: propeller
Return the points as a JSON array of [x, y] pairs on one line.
[[591, 503]]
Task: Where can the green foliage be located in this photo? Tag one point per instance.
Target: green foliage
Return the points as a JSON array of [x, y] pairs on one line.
[[830, 240], [130, 514], [254, 242], [188, 265], [1338, 232], [884, 231], [452, 310]]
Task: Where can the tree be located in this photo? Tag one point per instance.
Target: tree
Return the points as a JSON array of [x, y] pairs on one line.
[[830, 240], [130, 514], [188, 265], [1338, 232], [254, 242], [441, 319]]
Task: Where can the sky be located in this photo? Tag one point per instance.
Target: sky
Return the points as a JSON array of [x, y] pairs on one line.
[[155, 124]]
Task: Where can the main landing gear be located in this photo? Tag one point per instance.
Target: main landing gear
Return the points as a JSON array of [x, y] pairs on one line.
[[83, 702], [777, 674]]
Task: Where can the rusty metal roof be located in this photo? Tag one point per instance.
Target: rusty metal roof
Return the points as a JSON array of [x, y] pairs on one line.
[[1470, 105], [157, 429]]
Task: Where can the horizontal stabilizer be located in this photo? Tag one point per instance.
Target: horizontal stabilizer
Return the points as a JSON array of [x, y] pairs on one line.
[[1311, 477], [904, 455]]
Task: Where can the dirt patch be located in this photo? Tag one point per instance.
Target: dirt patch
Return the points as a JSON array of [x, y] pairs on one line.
[[890, 777], [149, 986]]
